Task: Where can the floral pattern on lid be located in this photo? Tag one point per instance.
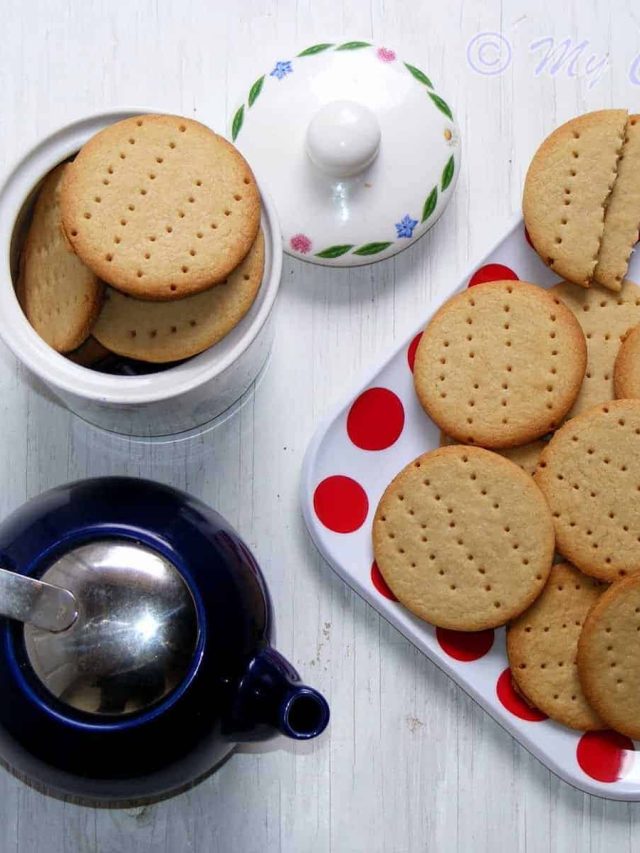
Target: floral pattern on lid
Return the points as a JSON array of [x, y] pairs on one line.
[[282, 68], [300, 243], [405, 227], [385, 55], [356, 203]]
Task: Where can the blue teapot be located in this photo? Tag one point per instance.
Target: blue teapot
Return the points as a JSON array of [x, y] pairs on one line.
[[136, 653]]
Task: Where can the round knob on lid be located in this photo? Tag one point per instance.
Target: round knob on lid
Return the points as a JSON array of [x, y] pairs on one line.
[[343, 138], [135, 634]]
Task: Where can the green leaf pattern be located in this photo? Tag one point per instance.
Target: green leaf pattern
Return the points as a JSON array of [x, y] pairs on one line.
[[316, 48], [353, 45], [255, 90], [371, 248], [237, 123], [443, 106], [339, 250], [334, 251], [430, 204], [447, 174], [420, 76]]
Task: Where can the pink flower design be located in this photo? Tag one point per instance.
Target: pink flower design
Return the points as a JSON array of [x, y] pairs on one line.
[[300, 243], [385, 55]]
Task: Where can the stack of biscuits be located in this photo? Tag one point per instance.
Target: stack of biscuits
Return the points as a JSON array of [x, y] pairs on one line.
[[147, 245], [528, 515]]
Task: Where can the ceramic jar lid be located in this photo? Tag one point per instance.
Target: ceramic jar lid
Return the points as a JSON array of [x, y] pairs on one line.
[[359, 151]]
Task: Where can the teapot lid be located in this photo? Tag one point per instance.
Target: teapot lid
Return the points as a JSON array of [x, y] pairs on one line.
[[359, 151], [135, 634]]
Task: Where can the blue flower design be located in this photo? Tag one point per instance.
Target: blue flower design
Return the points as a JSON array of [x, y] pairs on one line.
[[405, 226], [282, 69]]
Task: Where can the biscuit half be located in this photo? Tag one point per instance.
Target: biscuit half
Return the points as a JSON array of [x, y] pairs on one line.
[[622, 214], [566, 192]]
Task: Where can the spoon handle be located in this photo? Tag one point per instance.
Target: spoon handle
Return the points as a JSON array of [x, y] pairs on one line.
[[41, 604]]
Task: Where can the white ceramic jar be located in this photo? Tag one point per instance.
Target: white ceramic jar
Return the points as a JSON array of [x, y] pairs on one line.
[[174, 400]]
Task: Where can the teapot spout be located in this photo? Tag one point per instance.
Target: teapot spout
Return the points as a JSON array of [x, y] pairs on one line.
[[271, 697], [303, 714]]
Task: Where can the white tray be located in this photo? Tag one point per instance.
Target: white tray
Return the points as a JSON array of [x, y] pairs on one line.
[[604, 764]]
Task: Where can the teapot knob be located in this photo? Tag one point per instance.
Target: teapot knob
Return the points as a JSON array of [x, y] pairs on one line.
[[343, 138]]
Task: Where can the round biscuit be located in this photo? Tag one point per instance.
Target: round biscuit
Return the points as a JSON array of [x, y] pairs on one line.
[[626, 371], [542, 644], [170, 331], [59, 295], [526, 456], [500, 365], [464, 538], [608, 665], [605, 318], [160, 206], [590, 475]]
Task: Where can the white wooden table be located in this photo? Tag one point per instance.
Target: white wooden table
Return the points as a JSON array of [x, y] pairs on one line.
[[409, 762]]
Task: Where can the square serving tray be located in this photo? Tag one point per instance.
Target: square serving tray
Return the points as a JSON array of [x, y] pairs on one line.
[[342, 483]]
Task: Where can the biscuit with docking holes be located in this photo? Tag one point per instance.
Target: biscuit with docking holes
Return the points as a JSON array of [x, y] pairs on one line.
[[160, 207], [566, 191], [542, 645], [170, 331], [59, 295], [608, 663], [500, 365], [590, 475], [606, 318], [464, 538]]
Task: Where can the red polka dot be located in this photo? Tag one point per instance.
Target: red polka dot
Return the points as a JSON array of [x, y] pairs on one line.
[[341, 504], [513, 702], [605, 756], [528, 239], [380, 583], [492, 272], [411, 352], [376, 419], [465, 645]]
